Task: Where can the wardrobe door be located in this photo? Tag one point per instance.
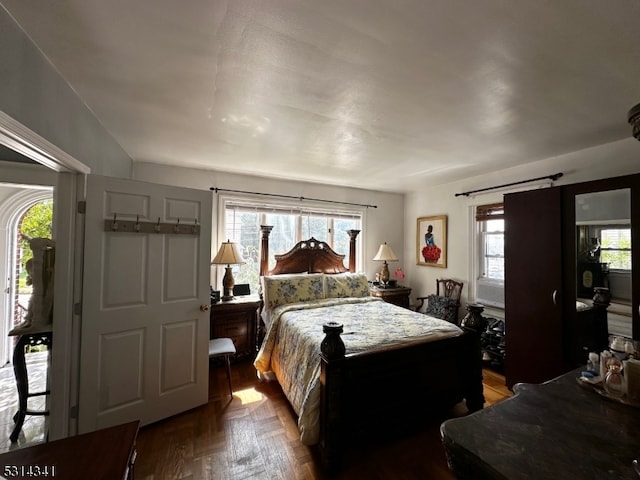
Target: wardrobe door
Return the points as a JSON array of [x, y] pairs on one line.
[[533, 281], [624, 311]]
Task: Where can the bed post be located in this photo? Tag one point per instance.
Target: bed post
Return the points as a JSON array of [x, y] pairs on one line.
[[474, 388], [352, 249], [265, 231], [331, 370]]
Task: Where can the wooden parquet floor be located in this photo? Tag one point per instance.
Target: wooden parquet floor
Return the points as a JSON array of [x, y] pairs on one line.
[[254, 435]]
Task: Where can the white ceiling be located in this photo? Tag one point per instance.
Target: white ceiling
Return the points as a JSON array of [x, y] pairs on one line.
[[381, 94]]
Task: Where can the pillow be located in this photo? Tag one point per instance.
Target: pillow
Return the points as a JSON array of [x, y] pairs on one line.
[[442, 307], [342, 285], [284, 289]]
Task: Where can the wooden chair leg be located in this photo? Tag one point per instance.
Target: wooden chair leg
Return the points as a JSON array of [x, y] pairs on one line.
[[229, 374]]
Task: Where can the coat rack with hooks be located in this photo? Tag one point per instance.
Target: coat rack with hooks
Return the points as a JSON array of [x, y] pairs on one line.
[[190, 227]]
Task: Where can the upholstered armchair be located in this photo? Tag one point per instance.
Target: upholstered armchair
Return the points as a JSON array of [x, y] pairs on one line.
[[443, 305]]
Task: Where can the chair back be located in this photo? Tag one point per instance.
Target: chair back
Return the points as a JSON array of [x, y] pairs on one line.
[[450, 288]]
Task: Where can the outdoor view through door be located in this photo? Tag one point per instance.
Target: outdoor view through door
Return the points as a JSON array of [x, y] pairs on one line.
[[37, 222], [25, 212]]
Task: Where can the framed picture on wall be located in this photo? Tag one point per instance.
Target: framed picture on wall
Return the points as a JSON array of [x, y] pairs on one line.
[[431, 243]]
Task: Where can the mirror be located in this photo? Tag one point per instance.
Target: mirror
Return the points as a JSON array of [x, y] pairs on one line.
[[603, 244]]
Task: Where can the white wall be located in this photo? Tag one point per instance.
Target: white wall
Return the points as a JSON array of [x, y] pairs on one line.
[[610, 160], [26, 174], [382, 224], [33, 93]]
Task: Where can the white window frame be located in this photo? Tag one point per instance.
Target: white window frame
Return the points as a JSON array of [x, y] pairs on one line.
[[264, 206], [483, 233], [487, 291], [610, 249]]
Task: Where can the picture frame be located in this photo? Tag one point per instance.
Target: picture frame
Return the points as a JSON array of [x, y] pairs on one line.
[[431, 241]]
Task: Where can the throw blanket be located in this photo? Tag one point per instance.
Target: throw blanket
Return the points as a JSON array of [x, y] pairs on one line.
[[291, 348]]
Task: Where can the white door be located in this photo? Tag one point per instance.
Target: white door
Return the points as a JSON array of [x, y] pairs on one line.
[[144, 334]]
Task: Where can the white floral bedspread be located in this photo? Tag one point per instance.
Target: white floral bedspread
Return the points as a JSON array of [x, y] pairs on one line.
[[291, 348]]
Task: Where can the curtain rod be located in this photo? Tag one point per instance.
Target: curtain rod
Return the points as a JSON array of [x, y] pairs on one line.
[[216, 190], [555, 176]]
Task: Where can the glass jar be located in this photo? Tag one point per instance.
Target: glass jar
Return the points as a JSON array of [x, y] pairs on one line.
[[613, 381]]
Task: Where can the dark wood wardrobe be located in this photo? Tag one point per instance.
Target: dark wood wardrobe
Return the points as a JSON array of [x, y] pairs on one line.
[[545, 337]]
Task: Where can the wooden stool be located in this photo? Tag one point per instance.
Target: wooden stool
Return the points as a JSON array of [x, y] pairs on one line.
[[223, 347]]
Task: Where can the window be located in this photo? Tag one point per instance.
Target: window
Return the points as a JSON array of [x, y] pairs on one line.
[[615, 247], [490, 254], [493, 249], [490, 220], [290, 225]]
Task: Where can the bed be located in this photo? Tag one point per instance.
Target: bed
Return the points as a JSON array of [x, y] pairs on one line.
[[351, 365]]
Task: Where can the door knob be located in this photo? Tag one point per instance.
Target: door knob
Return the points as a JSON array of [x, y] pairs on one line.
[[204, 308]]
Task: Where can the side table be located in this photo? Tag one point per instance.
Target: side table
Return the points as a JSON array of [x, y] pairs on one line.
[[22, 380], [396, 295], [237, 319]]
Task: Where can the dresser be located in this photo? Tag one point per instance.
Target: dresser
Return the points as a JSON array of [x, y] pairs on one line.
[[237, 319], [397, 295]]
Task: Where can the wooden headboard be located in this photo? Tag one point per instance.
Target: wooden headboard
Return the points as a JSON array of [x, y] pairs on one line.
[[311, 256]]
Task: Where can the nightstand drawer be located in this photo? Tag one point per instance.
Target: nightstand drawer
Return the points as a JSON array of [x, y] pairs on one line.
[[236, 331], [396, 295]]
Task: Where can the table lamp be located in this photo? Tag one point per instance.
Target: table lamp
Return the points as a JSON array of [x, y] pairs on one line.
[[228, 255], [385, 254]]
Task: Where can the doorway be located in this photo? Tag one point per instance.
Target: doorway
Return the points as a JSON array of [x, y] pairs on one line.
[[16, 202], [18, 207], [43, 163]]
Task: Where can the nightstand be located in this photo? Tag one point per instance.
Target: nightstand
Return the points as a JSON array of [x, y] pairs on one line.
[[237, 319], [397, 295]]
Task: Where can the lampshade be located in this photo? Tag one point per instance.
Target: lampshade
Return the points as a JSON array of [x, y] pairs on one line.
[[228, 255], [385, 254]]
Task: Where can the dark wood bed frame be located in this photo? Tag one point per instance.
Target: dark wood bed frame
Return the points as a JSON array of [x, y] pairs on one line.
[[386, 391]]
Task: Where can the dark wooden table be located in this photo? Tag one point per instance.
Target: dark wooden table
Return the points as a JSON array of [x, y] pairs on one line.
[[555, 430], [106, 454]]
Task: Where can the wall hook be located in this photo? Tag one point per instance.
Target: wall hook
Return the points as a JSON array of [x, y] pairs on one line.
[[114, 224], [176, 229], [136, 227], [157, 226]]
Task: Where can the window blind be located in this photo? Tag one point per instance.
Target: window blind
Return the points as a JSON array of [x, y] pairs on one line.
[[492, 211], [289, 210]]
